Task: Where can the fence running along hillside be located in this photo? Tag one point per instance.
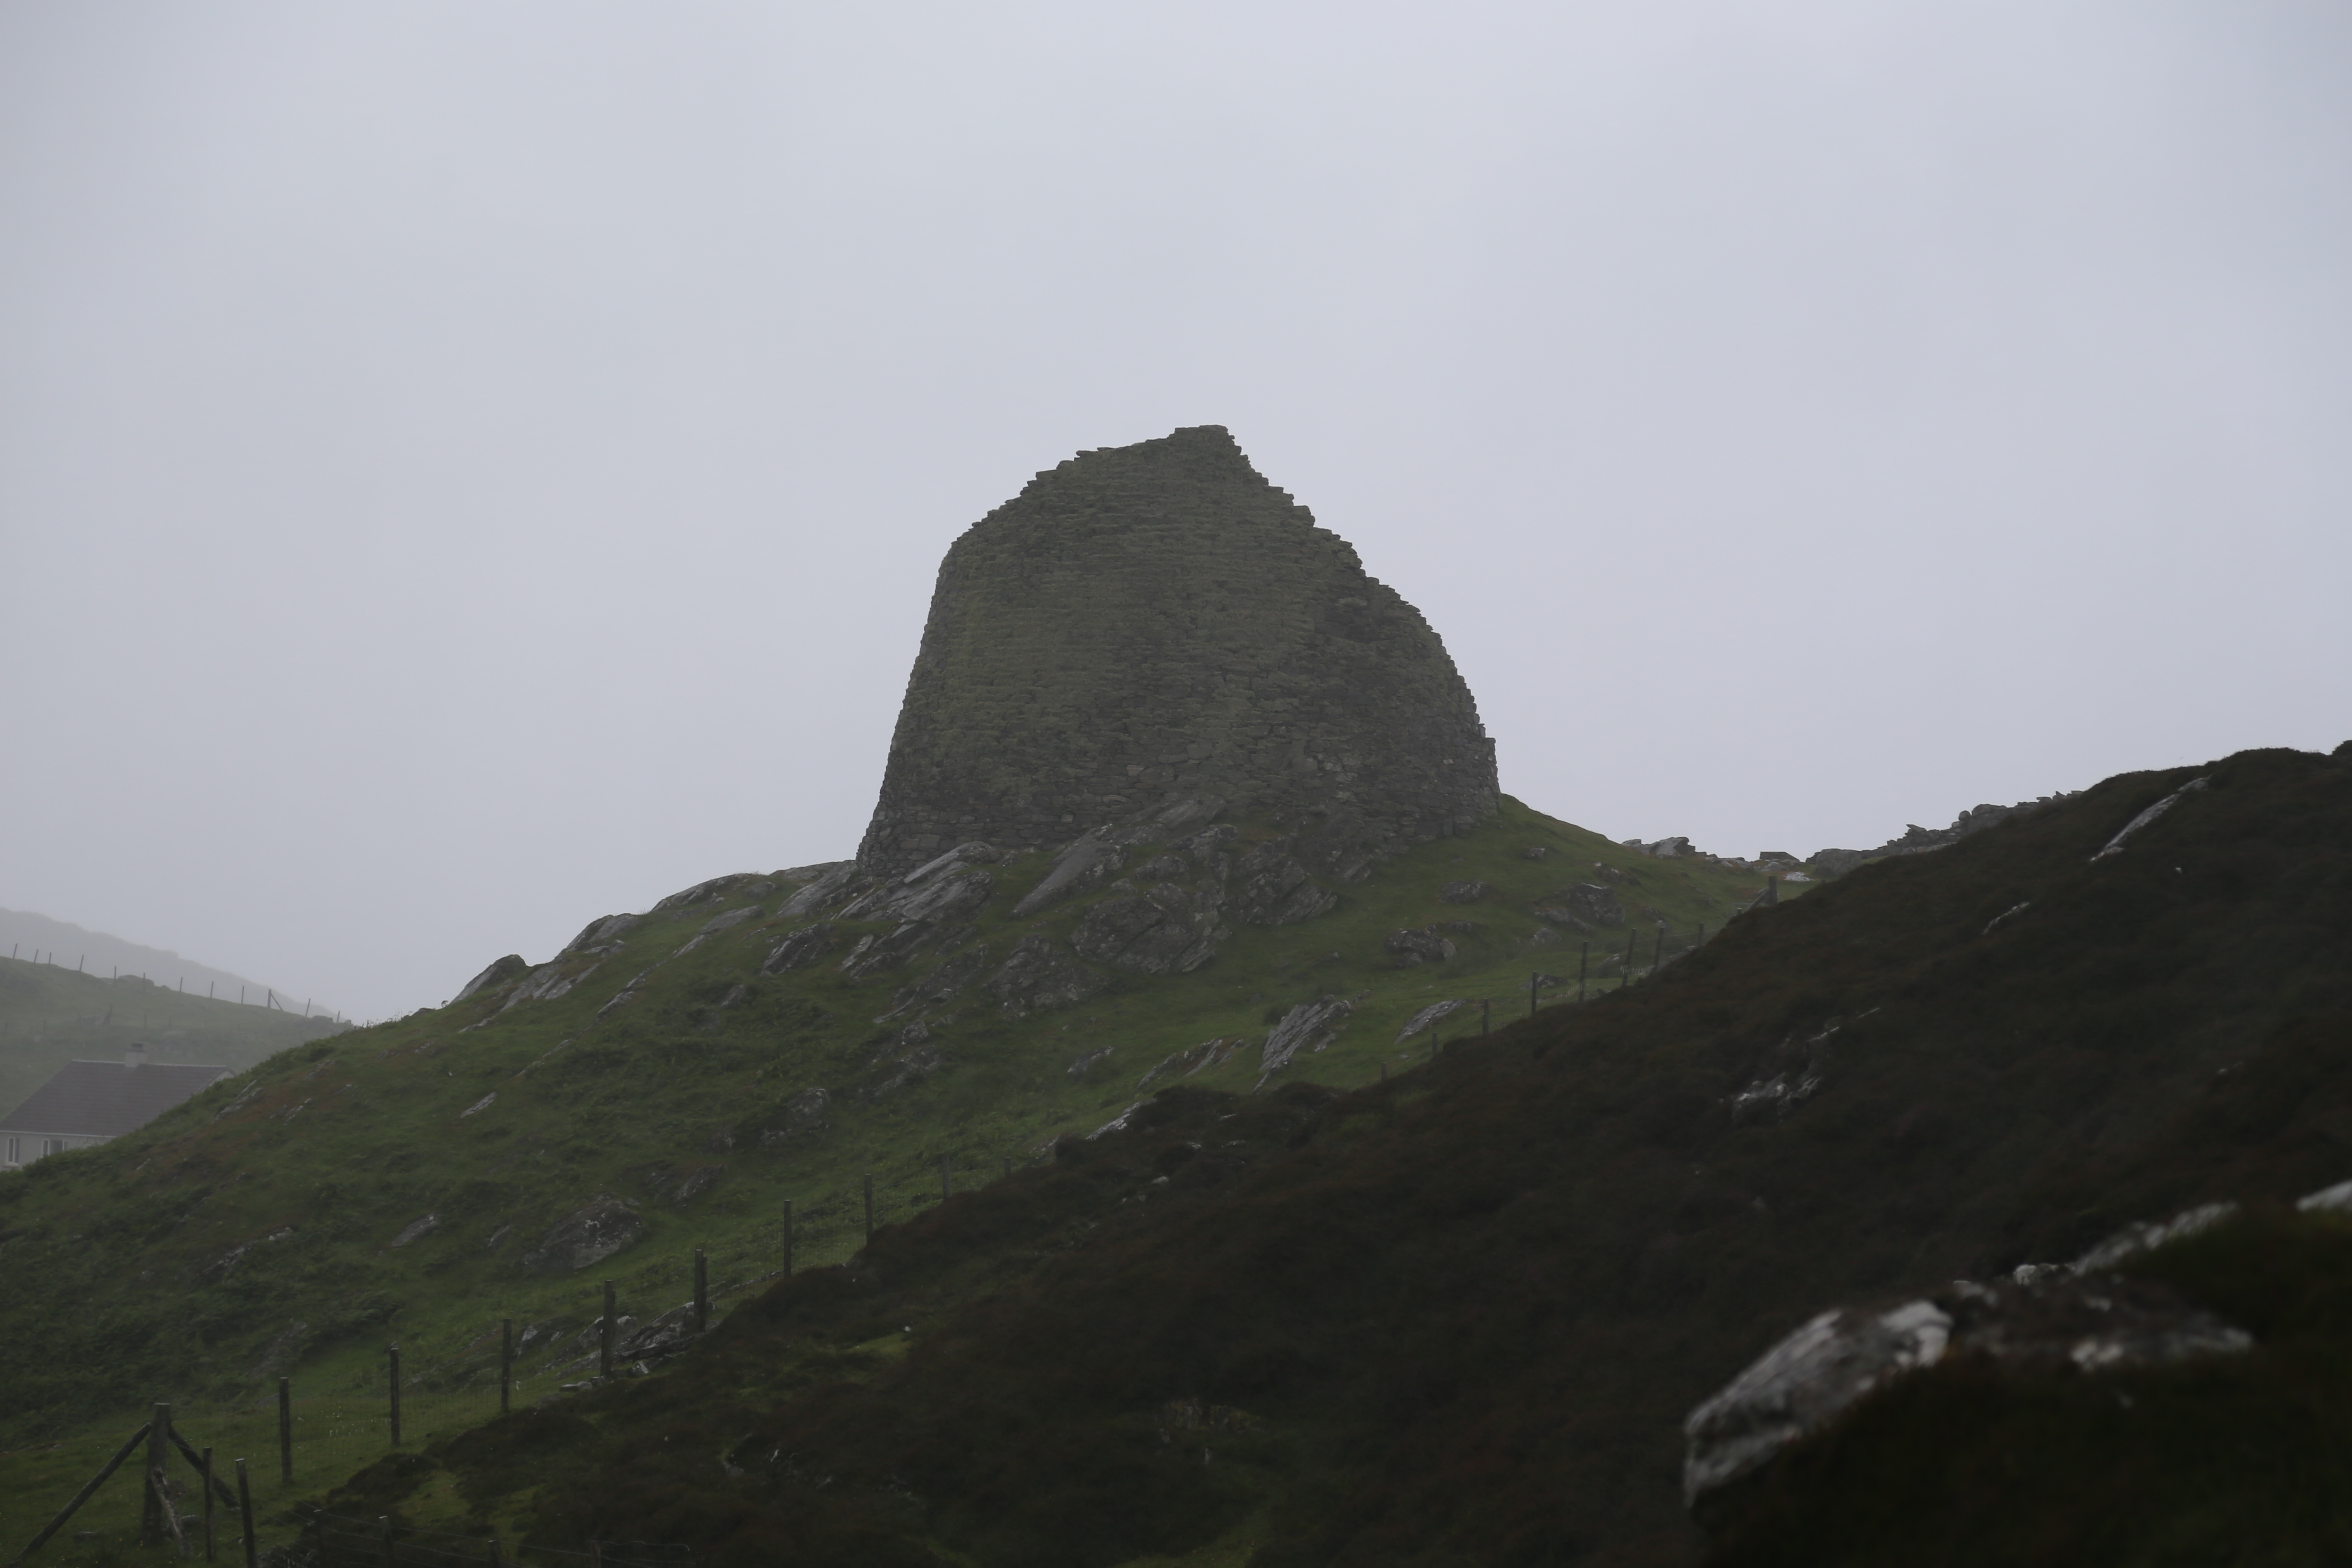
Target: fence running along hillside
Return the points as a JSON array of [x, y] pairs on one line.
[[319, 1439]]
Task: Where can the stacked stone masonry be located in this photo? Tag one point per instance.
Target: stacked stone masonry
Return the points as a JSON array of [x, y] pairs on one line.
[[1155, 622]]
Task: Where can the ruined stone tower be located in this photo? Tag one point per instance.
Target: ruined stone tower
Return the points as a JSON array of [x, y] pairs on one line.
[[1152, 622]]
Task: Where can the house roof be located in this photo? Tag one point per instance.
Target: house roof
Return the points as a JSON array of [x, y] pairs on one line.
[[107, 1099]]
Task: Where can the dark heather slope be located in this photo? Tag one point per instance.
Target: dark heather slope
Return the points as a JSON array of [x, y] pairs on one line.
[[1157, 621], [1458, 1317]]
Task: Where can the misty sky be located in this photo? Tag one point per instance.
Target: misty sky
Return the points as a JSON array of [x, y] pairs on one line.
[[470, 468]]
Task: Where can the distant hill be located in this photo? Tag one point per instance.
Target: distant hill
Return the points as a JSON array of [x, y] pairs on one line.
[[27, 935], [51, 1014]]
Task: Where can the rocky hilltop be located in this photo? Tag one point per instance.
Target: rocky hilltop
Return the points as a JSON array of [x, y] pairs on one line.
[[1155, 622]]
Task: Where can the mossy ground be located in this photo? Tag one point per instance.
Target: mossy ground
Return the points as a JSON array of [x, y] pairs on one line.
[[123, 1289]]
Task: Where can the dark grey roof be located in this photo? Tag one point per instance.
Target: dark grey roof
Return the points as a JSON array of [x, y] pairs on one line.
[[107, 1099]]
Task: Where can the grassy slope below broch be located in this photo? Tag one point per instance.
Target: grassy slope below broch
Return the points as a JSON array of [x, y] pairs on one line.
[[1458, 1316], [172, 1261]]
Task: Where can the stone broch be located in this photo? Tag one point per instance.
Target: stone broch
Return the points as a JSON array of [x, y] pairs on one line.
[[1152, 622]]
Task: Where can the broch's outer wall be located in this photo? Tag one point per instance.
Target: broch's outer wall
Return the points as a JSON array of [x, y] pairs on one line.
[[1158, 622]]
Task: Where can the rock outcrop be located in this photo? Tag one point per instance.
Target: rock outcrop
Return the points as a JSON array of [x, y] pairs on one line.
[[1918, 840], [1152, 622], [2069, 1318], [586, 1235], [1584, 907]]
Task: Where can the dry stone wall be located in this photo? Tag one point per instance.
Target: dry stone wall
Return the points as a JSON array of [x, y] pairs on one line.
[[1149, 623]]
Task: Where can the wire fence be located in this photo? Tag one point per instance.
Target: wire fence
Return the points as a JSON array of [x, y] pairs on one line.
[[427, 1390], [285, 1451]]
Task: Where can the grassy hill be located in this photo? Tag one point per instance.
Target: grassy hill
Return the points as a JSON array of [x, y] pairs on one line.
[[1455, 1315], [253, 1230], [50, 1014]]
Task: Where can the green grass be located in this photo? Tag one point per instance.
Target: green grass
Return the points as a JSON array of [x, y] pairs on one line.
[[51, 1014], [119, 1297], [1466, 1310]]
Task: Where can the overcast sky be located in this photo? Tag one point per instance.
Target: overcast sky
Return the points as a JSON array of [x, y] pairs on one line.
[[470, 468]]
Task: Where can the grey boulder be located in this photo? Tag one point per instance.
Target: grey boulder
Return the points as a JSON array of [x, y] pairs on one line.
[[1309, 1027], [1583, 906], [834, 885], [1274, 890], [586, 1235], [498, 973], [1408, 948], [1436, 1013], [799, 1120], [1081, 864], [1167, 929], [800, 948], [1040, 975], [1799, 1383]]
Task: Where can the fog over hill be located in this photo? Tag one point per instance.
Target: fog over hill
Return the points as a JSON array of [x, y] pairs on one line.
[[100, 954]]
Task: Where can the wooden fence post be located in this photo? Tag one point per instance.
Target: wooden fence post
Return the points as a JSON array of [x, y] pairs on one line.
[[159, 1453], [1583, 962], [384, 1540], [207, 1467], [788, 1238], [1531, 995], [244, 1514], [1658, 953], [604, 1341], [701, 1292], [392, 1363], [869, 1205], [129, 1446], [285, 1431], [1486, 1014], [946, 1186], [1631, 937], [160, 1482], [506, 1364], [595, 1553]]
